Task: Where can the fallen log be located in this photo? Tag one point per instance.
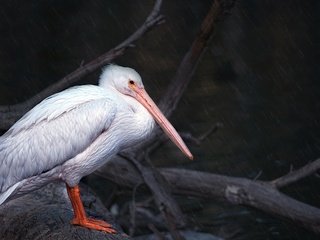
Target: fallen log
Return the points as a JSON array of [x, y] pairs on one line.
[[261, 195]]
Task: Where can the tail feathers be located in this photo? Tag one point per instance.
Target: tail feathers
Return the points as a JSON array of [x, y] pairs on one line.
[[4, 196]]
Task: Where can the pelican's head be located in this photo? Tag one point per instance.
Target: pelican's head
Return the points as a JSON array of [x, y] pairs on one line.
[[128, 82], [123, 79]]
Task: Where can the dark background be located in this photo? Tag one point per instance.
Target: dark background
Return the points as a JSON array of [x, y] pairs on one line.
[[259, 78]]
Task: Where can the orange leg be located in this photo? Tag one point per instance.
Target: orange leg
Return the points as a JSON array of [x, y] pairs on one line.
[[80, 217]]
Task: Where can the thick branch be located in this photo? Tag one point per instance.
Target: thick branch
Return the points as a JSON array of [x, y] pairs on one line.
[[9, 114], [169, 208], [190, 61], [158, 186], [257, 194], [261, 195]]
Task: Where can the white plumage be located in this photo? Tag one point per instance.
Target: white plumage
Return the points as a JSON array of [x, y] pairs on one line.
[[61, 129], [72, 133]]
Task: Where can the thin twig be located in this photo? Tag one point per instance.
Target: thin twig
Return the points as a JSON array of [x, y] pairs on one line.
[[157, 233], [132, 209], [198, 140], [211, 130], [294, 176], [258, 175]]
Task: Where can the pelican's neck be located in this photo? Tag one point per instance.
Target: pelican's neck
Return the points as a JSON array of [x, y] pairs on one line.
[[130, 101], [140, 112], [135, 105]]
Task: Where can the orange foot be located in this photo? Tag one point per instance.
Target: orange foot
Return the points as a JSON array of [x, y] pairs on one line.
[[94, 224]]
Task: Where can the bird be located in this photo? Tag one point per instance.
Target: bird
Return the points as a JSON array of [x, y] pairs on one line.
[[74, 132]]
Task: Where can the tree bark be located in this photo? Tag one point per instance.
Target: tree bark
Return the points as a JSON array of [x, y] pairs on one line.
[[239, 191]]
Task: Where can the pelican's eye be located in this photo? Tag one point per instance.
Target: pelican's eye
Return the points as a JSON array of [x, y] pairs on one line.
[[131, 84]]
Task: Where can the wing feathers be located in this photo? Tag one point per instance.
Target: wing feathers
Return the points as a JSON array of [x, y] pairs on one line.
[[54, 131], [57, 104]]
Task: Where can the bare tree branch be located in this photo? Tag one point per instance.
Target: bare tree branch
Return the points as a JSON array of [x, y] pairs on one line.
[[190, 61], [239, 191], [296, 175], [167, 205], [198, 140], [10, 113]]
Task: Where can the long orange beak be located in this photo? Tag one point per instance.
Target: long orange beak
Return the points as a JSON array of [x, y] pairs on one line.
[[143, 97]]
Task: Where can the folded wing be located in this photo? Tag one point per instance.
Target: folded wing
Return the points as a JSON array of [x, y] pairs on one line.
[[57, 129]]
